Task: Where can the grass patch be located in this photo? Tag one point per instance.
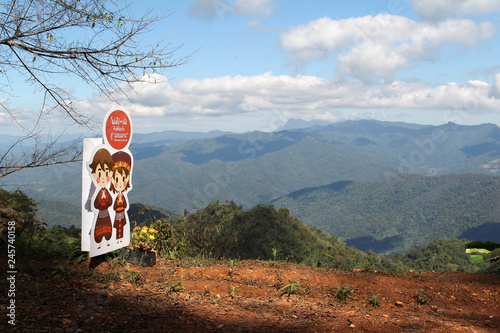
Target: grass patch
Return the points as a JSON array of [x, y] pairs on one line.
[[343, 293]]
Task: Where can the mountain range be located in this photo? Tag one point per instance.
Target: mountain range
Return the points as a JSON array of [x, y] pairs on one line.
[[179, 170], [399, 214]]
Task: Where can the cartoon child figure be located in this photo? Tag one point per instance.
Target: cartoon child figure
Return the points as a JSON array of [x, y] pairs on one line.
[[120, 182], [101, 169]]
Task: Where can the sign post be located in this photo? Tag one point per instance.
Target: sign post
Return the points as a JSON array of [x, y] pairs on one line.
[[106, 181]]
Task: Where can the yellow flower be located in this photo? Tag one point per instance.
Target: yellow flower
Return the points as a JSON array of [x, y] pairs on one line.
[[142, 237]]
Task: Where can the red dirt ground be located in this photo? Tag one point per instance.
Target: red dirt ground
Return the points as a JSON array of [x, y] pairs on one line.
[[247, 296]]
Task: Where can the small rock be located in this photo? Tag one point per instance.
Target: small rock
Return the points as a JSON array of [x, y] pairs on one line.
[[398, 303]]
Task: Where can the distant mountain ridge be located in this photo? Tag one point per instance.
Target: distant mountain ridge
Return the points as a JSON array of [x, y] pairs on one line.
[[177, 171], [293, 124]]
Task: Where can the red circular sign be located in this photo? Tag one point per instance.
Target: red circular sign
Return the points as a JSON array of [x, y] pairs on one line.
[[118, 129]]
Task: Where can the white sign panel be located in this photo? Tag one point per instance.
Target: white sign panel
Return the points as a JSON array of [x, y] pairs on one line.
[[106, 180]]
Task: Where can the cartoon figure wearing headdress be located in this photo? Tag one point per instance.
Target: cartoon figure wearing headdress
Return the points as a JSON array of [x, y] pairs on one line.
[[101, 169], [120, 182]]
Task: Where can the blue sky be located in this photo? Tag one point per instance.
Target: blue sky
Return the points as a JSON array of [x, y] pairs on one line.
[[257, 63]]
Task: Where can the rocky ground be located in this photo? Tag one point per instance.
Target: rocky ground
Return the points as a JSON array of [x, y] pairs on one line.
[[246, 296]]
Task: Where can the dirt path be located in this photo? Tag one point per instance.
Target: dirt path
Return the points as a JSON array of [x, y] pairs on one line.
[[249, 296]]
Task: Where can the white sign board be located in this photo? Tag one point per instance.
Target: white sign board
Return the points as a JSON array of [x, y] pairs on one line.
[[106, 180]]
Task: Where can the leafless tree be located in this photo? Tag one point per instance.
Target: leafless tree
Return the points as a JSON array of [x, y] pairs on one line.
[[97, 41]]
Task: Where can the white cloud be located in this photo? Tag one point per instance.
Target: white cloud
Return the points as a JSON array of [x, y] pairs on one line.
[[255, 8], [207, 9], [496, 86], [213, 9], [298, 96], [433, 10], [238, 103], [379, 46]]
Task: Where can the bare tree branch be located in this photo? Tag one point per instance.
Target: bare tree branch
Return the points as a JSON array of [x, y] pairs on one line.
[[38, 154], [96, 41]]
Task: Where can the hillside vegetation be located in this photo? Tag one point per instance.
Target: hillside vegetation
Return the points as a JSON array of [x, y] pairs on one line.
[[371, 202], [227, 231], [399, 214]]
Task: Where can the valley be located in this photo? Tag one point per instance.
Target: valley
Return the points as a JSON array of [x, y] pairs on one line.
[[380, 185]]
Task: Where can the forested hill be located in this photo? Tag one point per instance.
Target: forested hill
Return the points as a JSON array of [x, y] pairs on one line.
[[398, 214], [254, 168]]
